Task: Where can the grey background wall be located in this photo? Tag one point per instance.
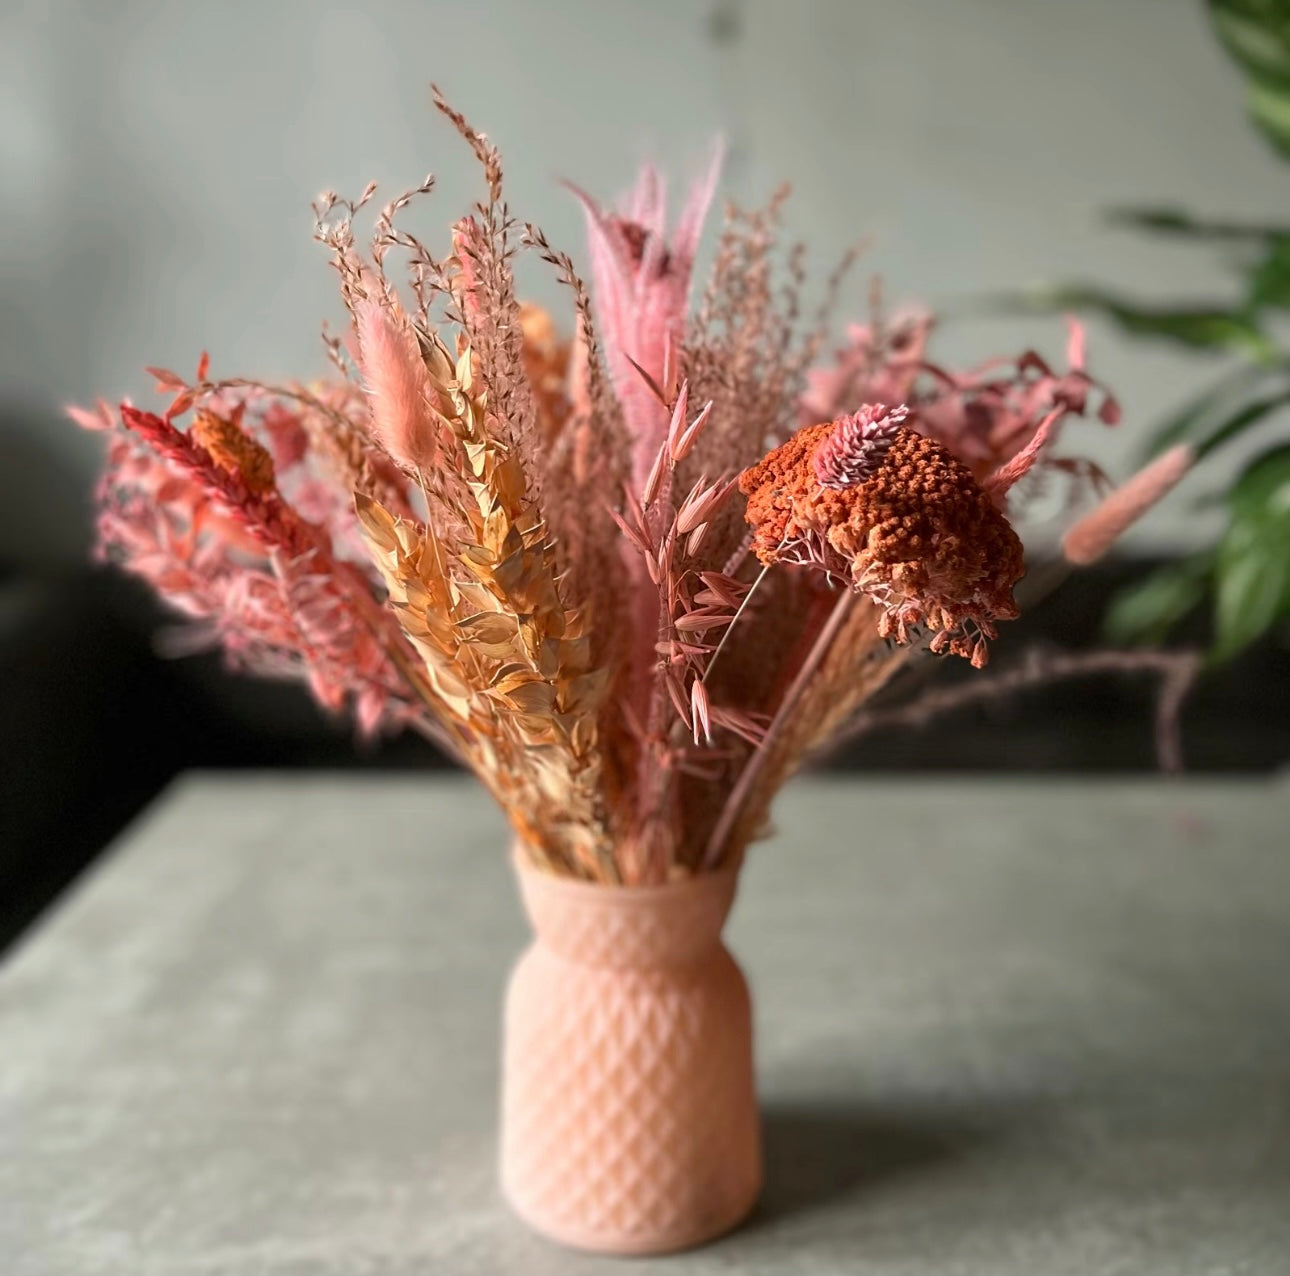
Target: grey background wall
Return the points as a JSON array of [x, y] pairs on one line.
[[157, 163]]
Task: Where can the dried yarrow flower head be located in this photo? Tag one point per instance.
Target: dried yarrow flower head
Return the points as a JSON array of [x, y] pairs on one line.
[[528, 536], [895, 515]]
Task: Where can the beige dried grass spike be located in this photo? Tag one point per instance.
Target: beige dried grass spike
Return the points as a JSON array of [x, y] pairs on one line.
[[503, 654]]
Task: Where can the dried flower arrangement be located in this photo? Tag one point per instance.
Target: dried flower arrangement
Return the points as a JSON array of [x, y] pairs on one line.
[[632, 578]]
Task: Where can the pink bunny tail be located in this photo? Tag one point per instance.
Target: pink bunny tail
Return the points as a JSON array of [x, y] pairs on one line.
[[1098, 530], [398, 386]]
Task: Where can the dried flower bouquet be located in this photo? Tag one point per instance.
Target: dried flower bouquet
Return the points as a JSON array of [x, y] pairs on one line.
[[631, 577]]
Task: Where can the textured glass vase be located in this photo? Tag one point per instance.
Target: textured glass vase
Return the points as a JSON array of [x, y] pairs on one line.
[[629, 1114]]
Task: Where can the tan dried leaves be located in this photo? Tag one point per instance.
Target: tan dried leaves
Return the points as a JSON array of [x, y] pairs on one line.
[[504, 656]]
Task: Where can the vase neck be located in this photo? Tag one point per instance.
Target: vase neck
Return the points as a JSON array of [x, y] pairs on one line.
[[626, 927]]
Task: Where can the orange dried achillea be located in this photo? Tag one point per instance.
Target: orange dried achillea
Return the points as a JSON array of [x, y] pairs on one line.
[[898, 517], [234, 450], [545, 356]]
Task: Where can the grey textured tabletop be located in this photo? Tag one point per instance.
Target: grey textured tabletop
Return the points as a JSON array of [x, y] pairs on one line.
[[1003, 1026]]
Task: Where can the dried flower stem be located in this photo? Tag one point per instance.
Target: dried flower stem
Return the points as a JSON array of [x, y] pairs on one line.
[[733, 808], [1177, 670]]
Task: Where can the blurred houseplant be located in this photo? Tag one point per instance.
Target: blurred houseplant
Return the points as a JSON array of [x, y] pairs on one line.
[[1245, 577]]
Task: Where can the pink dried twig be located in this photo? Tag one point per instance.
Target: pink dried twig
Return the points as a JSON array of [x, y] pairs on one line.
[[1177, 670]]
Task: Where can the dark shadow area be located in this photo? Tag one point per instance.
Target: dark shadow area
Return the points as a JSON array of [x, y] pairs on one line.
[[821, 1151], [1235, 719], [94, 722], [45, 516]]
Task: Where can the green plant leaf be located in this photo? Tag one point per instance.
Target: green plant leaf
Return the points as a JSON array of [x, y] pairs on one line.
[[1177, 221], [1147, 610], [1253, 566], [1235, 425], [1256, 33], [1269, 279], [1198, 413], [1199, 327], [1252, 594], [1263, 489], [1269, 107]]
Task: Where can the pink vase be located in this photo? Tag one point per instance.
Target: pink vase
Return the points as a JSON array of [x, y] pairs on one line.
[[629, 1115]]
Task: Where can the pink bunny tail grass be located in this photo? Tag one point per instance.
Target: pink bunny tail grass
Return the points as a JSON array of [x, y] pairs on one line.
[[398, 385], [1097, 531]]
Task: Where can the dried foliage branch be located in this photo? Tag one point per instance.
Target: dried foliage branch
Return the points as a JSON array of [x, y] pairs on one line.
[[1177, 671]]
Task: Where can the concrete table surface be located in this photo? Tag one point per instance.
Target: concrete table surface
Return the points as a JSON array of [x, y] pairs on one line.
[[1003, 1027]]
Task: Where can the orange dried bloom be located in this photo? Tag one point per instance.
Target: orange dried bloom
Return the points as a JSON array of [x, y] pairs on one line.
[[913, 530], [545, 355], [234, 450]]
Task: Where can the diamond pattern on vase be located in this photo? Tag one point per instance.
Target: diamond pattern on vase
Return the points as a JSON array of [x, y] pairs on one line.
[[629, 1113]]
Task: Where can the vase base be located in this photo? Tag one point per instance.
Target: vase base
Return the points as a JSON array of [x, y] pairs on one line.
[[573, 1235]]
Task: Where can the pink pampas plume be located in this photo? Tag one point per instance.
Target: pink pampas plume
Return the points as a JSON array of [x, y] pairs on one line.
[[398, 385], [642, 282], [1097, 531]]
